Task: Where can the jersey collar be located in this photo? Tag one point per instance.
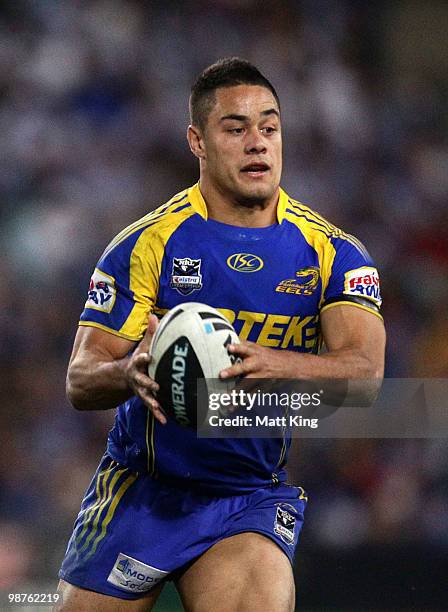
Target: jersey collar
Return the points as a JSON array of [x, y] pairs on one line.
[[197, 201]]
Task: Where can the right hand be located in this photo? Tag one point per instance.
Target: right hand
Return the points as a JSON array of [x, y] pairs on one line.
[[141, 384]]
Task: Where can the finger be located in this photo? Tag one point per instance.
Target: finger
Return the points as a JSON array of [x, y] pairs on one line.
[[153, 323], [153, 405], [238, 369], [141, 361], [145, 342], [255, 384], [146, 382], [243, 349], [158, 414]]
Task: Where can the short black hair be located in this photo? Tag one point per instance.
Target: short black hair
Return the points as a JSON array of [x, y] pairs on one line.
[[227, 72]]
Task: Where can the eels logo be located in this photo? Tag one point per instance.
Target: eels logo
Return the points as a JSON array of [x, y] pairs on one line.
[[245, 262], [305, 284]]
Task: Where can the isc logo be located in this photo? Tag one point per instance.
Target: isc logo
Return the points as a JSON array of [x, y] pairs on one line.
[[245, 262]]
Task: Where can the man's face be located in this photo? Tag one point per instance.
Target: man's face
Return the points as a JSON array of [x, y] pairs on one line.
[[243, 144]]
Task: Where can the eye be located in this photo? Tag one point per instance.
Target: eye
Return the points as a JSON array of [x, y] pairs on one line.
[[268, 130], [238, 130]]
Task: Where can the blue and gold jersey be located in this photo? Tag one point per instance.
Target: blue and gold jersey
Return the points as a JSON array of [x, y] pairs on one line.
[[272, 283]]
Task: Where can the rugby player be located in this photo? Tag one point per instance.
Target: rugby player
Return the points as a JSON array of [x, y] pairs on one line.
[[214, 515]]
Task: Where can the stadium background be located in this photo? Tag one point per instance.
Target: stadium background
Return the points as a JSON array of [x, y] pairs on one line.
[[93, 99]]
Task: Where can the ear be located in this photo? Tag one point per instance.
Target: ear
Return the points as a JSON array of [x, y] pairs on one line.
[[196, 141]]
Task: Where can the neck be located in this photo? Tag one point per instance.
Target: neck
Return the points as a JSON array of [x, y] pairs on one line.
[[227, 209]]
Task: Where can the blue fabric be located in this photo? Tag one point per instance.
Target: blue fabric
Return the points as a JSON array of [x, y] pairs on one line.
[[293, 267], [165, 527]]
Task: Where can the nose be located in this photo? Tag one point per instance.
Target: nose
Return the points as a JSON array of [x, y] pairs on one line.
[[255, 142]]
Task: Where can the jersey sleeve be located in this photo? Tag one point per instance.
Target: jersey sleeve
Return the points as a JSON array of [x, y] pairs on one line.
[[123, 288], [354, 278]]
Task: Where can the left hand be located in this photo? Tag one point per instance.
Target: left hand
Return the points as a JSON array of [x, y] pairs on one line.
[[257, 362]]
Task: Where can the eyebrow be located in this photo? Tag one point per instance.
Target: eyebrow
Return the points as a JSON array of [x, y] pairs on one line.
[[270, 111]]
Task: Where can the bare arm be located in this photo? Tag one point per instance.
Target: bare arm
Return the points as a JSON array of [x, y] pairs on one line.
[[101, 375], [355, 340]]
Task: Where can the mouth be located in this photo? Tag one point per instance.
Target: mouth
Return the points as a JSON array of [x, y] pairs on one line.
[[255, 169]]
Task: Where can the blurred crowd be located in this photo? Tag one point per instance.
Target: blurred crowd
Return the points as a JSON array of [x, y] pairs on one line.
[[93, 116]]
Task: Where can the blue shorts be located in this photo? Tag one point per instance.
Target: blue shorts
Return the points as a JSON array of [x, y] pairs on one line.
[[132, 531]]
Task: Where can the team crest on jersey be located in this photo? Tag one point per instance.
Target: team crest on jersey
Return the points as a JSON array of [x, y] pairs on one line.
[[285, 523], [102, 292], [305, 283], [363, 282], [186, 275]]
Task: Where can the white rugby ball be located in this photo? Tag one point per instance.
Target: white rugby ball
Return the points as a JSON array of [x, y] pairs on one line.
[[191, 344]]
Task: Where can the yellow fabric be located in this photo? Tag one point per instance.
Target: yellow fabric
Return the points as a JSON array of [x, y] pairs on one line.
[[145, 270], [321, 243]]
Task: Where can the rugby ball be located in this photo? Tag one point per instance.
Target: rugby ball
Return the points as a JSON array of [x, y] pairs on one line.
[[190, 345]]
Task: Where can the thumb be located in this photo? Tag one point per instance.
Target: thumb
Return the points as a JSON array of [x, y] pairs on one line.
[[153, 323], [152, 326]]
